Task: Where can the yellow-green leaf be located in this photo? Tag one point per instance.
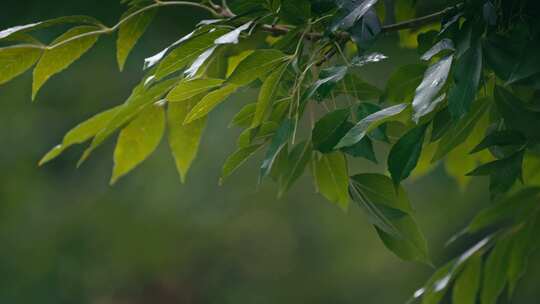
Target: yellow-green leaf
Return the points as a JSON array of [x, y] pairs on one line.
[[138, 140], [59, 58], [184, 139], [16, 60], [468, 283], [255, 65], [209, 102], [191, 88], [266, 95], [130, 32], [236, 159], [332, 179], [81, 133]]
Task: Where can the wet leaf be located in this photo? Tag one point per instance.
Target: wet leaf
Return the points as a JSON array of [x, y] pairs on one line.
[[441, 46], [467, 72], [494, 277], [467, 284], [401, 86], [7, 33], [233, 37], [369, 124], [427, 92], [351, 14]]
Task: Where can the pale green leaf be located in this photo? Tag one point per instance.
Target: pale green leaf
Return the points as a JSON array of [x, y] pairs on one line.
[[234, 161]]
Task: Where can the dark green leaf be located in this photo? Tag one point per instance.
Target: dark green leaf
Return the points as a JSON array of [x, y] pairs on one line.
[[467, 72], [236, 160], [351, 13], [501, 138], [354, 86], [295, 12], [297, 161], [516, 115], [365, 32], [278, 143], [503, 173], [405, 153], [523, 244], [325, 134], [441, 46], [327, 81]]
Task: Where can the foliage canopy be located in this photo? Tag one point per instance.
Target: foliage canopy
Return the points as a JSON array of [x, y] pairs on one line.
[[473, 104]]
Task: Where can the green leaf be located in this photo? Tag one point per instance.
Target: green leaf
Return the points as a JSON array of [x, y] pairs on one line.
[[233, 37], [391, 213], [295, 12], [364, 110], [59, 58], [267, 94], [365, 32], [461, 130], [130, 32], [330, 171], [140, 98], [138, 140], [297, 162], [209, 102], [523, 244], [188, 89], [81, 133], [187, 52], [401, 86], [426, 98], [515, 114], [277, 145], [531, 169], [501, 138], [467, 72], [16, 60], [494, 277], [184, 139], [433, 292], [244, 117], [256, 65], [405, 153], [502, 173], [234, 161], [370, 123], [508, 211], [468, 282], [327, 130]]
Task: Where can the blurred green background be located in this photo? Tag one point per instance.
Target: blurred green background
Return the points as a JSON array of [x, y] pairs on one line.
[[66, 236]]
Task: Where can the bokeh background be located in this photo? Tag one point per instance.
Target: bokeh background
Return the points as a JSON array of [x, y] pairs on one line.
[[66, 236]]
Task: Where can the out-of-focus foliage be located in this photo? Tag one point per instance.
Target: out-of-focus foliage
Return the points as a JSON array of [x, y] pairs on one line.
[[471, 104]]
